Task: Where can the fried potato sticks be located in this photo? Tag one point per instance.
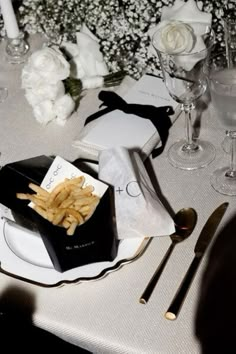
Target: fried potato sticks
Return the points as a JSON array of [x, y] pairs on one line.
[[69, 204]]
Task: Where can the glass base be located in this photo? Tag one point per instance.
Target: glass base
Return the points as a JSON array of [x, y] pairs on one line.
[[17, 49], [223, 184], [3, 94], [191, 160]]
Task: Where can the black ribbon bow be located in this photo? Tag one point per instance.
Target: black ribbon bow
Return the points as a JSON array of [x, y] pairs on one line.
[[159, 116]]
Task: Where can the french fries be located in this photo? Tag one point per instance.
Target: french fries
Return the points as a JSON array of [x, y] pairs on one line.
[[68, 205]]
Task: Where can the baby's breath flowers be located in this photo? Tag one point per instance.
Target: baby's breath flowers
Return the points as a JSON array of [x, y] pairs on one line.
[[58, 20], [121, 26]]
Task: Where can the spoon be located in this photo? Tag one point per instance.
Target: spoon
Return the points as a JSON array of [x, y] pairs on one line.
[[185, 221]]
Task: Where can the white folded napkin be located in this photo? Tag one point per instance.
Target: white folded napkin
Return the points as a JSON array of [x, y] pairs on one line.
[[187, 12], [139, 211], [117, 128], [86, 58]]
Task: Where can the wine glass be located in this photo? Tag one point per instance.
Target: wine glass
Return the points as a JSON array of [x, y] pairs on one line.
[[222, 87], [185, 81]]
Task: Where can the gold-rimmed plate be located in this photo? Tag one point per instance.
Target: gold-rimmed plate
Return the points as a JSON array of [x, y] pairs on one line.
[[23, 256]]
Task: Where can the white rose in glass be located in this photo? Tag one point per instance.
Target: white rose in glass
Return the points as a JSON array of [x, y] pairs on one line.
[[49, 64], [174, 37]]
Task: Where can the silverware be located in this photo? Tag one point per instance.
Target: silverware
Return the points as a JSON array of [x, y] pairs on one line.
[[203, 241], [185, 221]]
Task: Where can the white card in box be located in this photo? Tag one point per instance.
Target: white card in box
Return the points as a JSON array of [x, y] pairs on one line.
[[117, 128]]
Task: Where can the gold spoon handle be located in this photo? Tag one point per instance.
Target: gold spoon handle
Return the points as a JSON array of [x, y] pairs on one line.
[[178, 300], [153, 281]]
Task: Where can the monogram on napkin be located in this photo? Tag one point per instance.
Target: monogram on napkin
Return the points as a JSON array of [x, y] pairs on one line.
[[138, 209]]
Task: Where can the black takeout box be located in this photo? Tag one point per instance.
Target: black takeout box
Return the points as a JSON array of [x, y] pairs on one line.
[[93, 241]]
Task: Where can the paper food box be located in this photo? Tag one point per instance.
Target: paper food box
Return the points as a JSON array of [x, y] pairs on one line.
[[93, 241]]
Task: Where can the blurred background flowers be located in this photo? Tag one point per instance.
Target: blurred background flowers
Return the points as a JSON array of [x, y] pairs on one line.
[[121, 26]]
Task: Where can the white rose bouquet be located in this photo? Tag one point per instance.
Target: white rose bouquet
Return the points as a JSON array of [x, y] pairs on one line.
[[42, 79], [50, 89]]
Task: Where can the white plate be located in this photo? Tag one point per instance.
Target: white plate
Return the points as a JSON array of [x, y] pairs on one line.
[[23, 255]]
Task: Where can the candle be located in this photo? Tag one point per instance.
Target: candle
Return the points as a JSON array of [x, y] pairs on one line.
[[9, 19]]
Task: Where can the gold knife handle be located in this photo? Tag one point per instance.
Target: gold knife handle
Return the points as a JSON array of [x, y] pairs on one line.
[[153, 281], [178, 300]]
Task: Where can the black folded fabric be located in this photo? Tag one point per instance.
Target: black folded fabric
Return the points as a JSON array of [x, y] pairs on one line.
[[159, 116], [215, 309]]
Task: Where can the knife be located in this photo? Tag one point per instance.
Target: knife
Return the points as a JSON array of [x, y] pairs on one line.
[[203, 241]]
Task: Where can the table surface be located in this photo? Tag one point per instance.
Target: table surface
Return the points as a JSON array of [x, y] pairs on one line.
[[105, 316]]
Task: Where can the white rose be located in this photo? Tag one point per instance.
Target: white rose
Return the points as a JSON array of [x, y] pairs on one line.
[[63, 107], [41, 92], [189, 14], [44, 112], [30, 78], [174, 37], [50, 64], [178, 38]]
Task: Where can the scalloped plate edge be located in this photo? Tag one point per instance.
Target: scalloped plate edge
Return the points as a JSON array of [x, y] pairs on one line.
[[141, 249]]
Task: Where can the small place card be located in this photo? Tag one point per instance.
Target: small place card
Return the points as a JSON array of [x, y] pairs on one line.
[[150, 90], [61, 169]]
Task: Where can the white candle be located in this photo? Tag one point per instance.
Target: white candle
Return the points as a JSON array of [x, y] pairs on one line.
[[9, 19]]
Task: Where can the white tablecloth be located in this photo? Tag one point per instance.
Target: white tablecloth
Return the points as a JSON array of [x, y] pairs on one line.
[[105, 316]]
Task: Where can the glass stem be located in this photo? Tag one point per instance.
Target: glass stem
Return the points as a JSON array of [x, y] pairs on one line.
[[190, 145], [232, 169]]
